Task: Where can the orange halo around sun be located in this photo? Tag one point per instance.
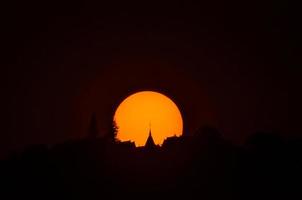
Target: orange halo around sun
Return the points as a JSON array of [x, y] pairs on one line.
[[144, 110]]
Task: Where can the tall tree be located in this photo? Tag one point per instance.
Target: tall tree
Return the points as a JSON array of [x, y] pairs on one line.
[[93, 129]]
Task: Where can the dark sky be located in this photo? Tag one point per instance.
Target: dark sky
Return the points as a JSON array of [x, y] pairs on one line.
[[223, 63]]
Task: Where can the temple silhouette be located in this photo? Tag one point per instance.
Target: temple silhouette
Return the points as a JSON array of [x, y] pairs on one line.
[[203, 165], [150, 142]]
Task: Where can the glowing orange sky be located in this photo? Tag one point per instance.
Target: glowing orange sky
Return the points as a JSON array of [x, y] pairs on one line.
[[135, 114]]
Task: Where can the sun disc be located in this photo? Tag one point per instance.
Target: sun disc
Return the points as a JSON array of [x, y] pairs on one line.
[[146, 110]]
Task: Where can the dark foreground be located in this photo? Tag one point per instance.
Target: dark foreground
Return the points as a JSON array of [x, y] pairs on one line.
[[200, 167]]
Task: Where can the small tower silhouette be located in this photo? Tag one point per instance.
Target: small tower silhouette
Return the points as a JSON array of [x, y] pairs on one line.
[[150, 142], [93, 129]]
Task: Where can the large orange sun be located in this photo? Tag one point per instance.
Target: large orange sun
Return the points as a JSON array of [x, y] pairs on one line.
[[144, 110]]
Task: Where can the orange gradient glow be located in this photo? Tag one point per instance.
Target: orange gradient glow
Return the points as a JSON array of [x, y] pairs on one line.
[[142, 110]]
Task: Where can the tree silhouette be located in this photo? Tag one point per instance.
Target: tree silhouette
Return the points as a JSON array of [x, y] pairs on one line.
[[113, 131], [93, 129]]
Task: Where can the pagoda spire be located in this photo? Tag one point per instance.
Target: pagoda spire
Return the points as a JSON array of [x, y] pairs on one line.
[[150, 142]]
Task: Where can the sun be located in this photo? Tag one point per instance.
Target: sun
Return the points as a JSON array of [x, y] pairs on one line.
[[146, 110]]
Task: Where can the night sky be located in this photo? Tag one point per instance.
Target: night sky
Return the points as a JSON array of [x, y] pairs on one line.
[[225, 64]]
